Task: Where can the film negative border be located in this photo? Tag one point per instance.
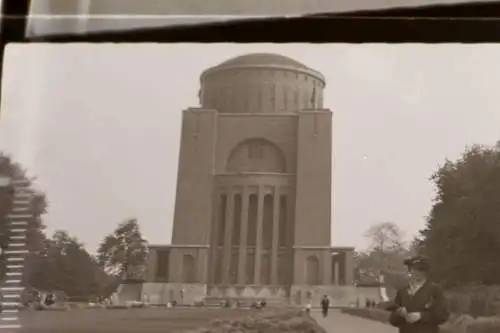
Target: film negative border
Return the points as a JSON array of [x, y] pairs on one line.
[[15, 254]]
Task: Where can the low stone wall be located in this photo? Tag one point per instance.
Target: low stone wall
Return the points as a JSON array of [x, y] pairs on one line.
[[456, 324], [368, 293], [340, 296], [182, 293], [162, 293], [249, 291]]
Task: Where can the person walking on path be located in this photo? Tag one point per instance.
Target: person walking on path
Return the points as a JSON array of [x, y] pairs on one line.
[[325, 305], [420, 307], [308, 308]]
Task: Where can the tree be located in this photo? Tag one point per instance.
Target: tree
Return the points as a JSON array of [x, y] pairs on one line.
[[386, 253], [462, 234], [124, 252], [385, 237], [416, 246], [58, 263], [66, 266], [38, 207]]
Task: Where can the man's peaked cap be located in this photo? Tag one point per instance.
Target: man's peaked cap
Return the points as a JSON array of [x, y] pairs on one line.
[[419, 263]]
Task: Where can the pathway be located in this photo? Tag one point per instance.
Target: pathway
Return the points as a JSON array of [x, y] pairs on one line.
[[338, 322]]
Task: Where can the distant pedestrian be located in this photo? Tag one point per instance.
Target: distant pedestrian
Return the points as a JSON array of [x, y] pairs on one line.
[[49, 299], [308, 308], [421, 306], [325, 305]]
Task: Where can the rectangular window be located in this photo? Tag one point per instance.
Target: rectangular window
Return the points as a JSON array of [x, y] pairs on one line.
[[162, 263]]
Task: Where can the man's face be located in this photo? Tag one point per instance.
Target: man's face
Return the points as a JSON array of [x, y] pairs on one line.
[[416, 275]]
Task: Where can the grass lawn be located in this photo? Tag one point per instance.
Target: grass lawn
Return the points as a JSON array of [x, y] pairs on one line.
[[153, 320]]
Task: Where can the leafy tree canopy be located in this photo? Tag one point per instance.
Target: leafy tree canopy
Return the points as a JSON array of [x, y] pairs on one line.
[[58, 263], [385, 255], [462, 234], [65, 265], [124, 252]]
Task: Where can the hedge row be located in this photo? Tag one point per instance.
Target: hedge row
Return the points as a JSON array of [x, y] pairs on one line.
[[456, 324], [475, 300]]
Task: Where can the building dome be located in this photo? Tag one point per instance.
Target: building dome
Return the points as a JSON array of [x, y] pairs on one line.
[[262, 59], [261, 83]]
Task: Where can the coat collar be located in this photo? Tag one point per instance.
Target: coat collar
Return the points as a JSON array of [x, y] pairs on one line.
[[414, 290]]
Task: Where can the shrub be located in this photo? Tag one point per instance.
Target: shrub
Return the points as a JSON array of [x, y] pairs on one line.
[[475, 300], [290, 321], [485, 325], [373, 314]]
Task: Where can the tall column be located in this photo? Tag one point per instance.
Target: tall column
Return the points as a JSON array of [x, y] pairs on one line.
[[242, 259], [258, 242], [275, 243], [214, 242], [349, 267], [336, 272], [228, 232]]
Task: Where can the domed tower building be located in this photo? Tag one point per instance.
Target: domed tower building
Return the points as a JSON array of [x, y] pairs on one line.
[[253, 204]]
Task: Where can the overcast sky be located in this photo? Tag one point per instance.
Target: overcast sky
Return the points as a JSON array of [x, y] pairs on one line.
[[99, 125]]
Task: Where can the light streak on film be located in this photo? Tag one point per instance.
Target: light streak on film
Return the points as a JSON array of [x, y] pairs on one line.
[[11, 287]]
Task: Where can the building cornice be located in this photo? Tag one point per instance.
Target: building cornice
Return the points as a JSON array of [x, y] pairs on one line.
[[172, 246], [250, 174], [259, 115], [332, 248]]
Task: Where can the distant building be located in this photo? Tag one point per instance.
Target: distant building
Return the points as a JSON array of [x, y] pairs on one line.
[[253, 206]]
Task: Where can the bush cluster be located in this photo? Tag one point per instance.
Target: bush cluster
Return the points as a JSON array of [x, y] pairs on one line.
[[477, 301], [284, 321]]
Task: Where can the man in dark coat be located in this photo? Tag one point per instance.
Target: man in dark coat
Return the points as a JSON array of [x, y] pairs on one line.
[[49, 299], [421, 306], [325, 305]]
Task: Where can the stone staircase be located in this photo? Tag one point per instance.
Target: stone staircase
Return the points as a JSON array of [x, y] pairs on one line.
[[246, 295], [245, 302], [15, 254]]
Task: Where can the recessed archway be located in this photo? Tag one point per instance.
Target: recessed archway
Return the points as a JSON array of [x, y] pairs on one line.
[[256, 155]]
